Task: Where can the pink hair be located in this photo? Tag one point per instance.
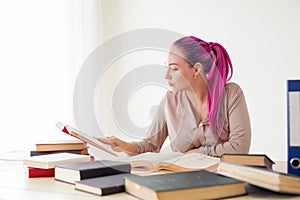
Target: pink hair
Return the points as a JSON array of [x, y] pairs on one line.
[[218, 69]]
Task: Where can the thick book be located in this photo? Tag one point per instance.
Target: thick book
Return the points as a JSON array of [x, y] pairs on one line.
[[71, 173], [39, 172], [59, 145], [258, 160], [173, 161], [85, 137], [52, 160], [103, 185], [264, 178], [39, 153], [184, 185]]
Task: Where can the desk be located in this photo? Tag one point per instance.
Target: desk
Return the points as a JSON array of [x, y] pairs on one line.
[[15, 185]]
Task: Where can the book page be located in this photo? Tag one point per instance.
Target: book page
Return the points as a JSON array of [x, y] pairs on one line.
[[149, 160], [191, 161]]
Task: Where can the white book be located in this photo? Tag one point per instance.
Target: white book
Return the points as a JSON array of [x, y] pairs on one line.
[[52, 160], [85, 137]]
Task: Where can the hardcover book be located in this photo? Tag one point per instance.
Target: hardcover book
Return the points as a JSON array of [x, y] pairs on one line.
[[173, 161], [184, 185], [52, 160], [85, 137], [103, 185], [39, 153], [38, 172], [258, 160], [59, 145], [71, 173], [264, 178]]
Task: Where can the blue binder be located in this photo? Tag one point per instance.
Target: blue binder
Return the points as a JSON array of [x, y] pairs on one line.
[[293, 108]]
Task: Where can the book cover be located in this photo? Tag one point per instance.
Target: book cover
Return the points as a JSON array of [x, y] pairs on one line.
[[258, 160], [58, 145], [103, 185], [184, 185], [39, 153], [38, 172], [262, 177], [75, 172], [52, 160], [173, 161]]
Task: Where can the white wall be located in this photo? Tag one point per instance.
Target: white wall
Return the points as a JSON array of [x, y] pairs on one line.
[[35, 82], [262, 38]]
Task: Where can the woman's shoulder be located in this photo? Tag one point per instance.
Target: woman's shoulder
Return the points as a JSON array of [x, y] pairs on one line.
[[233, 87], [233, 90]]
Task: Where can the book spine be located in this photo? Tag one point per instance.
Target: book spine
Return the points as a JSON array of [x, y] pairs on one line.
[[113, 190], [107, 171], [39, 153], [38, 172]]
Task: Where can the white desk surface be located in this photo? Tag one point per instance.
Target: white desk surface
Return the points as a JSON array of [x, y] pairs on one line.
[[14, 184]]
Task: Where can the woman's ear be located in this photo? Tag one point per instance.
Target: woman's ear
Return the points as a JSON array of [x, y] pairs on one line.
[[198, 68]]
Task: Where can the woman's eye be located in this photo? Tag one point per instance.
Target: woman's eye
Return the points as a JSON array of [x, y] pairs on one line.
[[172, 68]]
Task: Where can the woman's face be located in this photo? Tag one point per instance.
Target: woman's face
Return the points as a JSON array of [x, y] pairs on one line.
[[180, 74]]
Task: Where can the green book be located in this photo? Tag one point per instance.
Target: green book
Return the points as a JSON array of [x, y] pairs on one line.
[[184, 185]]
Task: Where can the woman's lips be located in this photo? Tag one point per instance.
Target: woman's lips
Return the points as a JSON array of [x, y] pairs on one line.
[[170, 84]]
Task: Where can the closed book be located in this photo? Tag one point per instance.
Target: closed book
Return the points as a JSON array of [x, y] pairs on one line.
[[258, 160], [75, 172], [39, 153], [52, 160], [184, 185], [39, 172], [262, 177], [58, 145], [103, 185]]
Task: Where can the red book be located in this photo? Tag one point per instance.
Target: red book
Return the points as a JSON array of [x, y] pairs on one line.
[[39, 172]]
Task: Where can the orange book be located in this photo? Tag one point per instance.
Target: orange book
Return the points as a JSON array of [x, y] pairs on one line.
[[59, 145]]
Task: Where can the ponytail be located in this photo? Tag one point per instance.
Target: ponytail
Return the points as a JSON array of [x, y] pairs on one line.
[[216, 80]]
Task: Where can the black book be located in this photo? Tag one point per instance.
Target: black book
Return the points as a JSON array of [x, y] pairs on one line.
[[103, 185], [39, 153], [184, 185], [75, 172]]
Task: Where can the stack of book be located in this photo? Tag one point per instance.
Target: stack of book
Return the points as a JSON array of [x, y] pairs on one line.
[[44, 165], [99, 177]]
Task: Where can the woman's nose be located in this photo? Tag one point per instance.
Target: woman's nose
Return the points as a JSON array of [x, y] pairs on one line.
[[168, 76]]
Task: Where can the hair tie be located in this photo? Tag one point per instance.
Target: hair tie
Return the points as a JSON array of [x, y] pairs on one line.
[[211, 45]]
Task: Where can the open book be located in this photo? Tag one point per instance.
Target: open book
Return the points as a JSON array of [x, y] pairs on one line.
[[84, 137], [173, 161]]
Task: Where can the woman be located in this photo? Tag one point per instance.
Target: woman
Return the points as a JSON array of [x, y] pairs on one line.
[[203, 113]]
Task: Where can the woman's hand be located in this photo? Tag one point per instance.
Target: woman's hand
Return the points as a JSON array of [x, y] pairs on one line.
[[118, 144], [192, 151]]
